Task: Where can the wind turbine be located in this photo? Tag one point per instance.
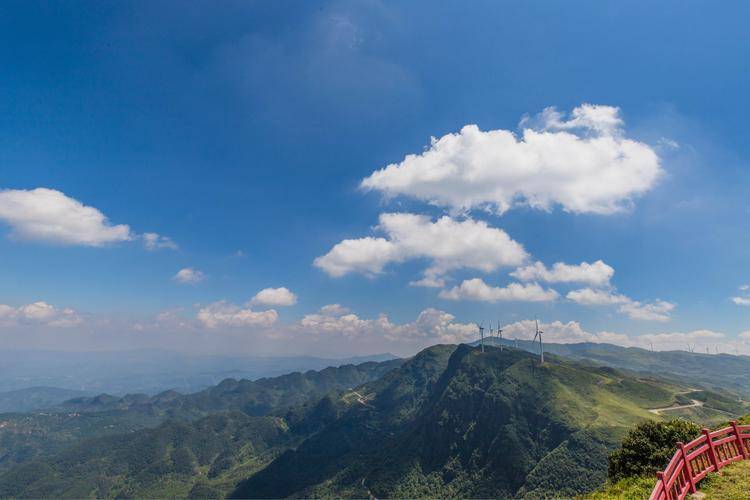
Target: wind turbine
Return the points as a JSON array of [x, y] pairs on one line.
[[500, 334], [481, 334], [541, 344]]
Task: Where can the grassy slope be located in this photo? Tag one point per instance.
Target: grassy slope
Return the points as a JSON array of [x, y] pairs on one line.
[[734, 483]]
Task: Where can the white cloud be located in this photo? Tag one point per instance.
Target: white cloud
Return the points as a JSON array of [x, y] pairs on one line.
[[666, 142], [275, 297], [429, 282], [595, 274], [448, 244], [559, 332], [600, 120], [48, 215], [659, 310], [744, 335], [189, 276], [744, 288], [367, 256], [334, 310], [584, 164], [477, 289], [223, 314], [39, 312], [591, 297], [154, 241], [741, 301], [431, 326]]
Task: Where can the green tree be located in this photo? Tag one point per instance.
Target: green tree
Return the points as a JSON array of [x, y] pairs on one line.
[[648, 447]]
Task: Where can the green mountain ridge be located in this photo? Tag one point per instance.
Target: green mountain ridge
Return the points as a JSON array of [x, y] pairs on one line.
[[253, 397], [719, 372], [459, 422], [26, 436]]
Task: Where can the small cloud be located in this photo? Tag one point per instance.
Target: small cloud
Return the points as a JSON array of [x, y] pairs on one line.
[[154, 241], [476, 289], [334, 310], [658, 310], [223, 314], [596, 274], [39, 312], [741, 301], [275, 297], [668, 143], [429, 282], [189, 276]]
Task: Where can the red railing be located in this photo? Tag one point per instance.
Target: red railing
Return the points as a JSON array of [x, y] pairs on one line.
[[693, 461]]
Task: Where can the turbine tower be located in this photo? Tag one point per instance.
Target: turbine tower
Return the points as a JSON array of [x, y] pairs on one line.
[[541, 345], [481, 334], [500, 334]]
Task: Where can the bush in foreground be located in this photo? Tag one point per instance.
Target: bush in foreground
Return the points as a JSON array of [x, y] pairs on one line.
[[648, 447]]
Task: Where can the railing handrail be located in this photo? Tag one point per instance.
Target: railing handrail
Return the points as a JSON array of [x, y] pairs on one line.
[[694, 460]]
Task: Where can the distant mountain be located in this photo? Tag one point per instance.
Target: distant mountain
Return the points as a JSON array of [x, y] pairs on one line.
[[719, 372], [148, 371], [253, 397], [24, 437], [455, 422], [34, 398]]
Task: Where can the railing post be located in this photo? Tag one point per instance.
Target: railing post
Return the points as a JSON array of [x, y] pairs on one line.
[[660, 477], [688, 469], [740, 444], [711, 450]]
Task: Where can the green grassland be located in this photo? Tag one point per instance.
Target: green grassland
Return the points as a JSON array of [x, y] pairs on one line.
[[733, 482]]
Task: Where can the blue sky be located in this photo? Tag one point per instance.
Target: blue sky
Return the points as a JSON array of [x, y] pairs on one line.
[[240, 135]]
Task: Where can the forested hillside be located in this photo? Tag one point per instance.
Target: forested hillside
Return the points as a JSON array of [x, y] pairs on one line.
[[26, 436], [492, 424]]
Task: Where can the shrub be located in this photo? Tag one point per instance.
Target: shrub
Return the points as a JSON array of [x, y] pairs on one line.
[[649, 446]]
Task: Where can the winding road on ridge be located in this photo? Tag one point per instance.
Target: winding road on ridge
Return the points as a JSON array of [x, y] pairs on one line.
[[695, 402]]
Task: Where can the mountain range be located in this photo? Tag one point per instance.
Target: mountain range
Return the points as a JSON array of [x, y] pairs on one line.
[[451, 421]]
